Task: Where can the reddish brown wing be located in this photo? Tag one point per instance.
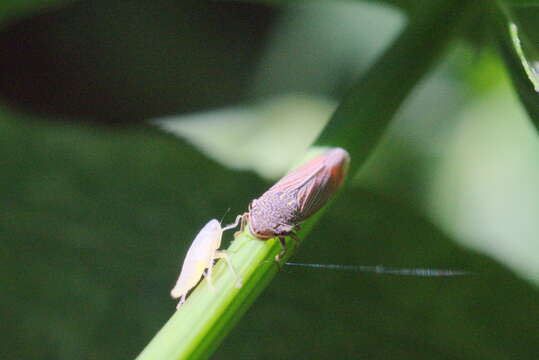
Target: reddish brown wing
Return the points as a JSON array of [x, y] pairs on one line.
[[317, 191], [315, 181], [299, 176], [314, 194]]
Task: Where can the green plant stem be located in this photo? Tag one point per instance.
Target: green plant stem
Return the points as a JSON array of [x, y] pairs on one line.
[[202, 322], [364, 114]]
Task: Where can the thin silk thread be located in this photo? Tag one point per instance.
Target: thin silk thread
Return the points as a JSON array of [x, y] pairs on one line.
[[386, 270]]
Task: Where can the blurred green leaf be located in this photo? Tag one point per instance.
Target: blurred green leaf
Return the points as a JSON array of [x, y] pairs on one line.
[[527, 54], [294, 120], [322, 314], [407, 5], [95, 224], [86, 217], [518, 38], [331, 57], [16, 8], [524, 3], [483, 190]]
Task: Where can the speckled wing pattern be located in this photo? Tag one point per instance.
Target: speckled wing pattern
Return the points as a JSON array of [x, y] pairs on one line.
[[314, 182]]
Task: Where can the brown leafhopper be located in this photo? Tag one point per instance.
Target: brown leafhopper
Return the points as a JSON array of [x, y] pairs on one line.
[[297, 196]]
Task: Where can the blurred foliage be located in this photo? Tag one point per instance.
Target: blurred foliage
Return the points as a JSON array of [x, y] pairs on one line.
[[249, 130], [518, 39], [94, 220], [93, 228], [351, 315], [93, 225], [10, 9]]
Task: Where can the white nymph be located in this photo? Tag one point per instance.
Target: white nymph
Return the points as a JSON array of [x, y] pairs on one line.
[[200, 256]]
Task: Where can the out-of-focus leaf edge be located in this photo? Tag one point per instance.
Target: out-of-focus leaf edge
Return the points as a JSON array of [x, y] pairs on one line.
[[516, 67], [404, 5]]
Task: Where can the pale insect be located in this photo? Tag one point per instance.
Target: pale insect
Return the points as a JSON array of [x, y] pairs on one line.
[[200, 256]]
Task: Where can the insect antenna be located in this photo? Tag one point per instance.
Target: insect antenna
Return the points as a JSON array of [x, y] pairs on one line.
[[223, 217], [387, 270]]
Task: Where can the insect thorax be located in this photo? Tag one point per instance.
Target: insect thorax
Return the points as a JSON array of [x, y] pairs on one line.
[[273, 214]]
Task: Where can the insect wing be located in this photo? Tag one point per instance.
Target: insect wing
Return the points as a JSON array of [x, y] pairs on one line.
[[314, 194], [300, 176], [315, 181], [317, 191]]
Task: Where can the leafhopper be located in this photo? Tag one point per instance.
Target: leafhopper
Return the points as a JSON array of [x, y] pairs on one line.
[[200, 258], [297, 196]]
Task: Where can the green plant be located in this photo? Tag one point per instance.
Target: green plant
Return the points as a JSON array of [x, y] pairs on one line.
[[362, 117], [90, 254]]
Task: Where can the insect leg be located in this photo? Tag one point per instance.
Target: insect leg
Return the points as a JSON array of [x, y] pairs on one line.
[[182, 300], [282, 240], [236, 222], [243, 222], [220, 254], [208, 272], [280, 255], [296, 239]]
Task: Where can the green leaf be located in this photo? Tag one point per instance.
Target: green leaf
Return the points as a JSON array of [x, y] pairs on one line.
[[406, 5], [517, 39], [295, 120], [95, 224], [528, 58], [494, 146], [523, 3], [16, 8]]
